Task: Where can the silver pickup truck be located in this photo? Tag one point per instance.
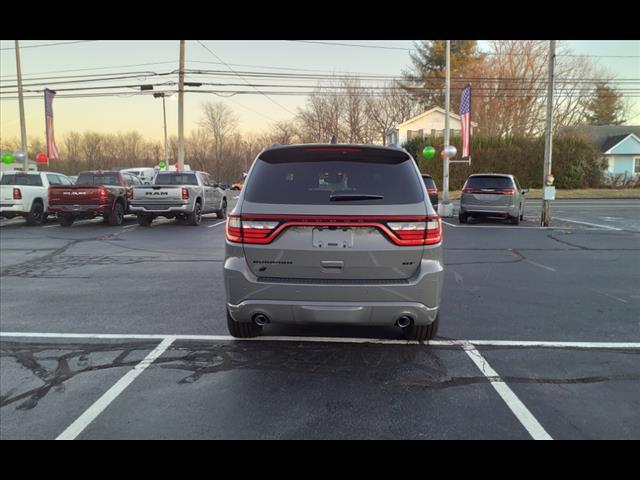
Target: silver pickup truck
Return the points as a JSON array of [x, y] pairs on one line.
[[185, 196]]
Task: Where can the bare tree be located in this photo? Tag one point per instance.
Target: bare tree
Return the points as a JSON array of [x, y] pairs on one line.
[[222, 122]]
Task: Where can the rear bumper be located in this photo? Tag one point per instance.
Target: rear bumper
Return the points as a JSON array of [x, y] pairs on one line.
[[80, 209], [307, 302], [485, 210], [12, 210], [160, 209]]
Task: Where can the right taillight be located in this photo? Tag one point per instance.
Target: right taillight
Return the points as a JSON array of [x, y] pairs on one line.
[[185, 193], [17, 194]]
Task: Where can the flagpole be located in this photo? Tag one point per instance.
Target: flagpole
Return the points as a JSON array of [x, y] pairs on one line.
[[23, 128]]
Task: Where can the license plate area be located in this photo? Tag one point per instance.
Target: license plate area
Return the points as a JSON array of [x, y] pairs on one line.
[[332, 238]]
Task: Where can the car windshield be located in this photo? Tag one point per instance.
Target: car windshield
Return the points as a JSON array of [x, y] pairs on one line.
[[21, 179], [97, 179], [489, 181], [306, 177], [176, 179]]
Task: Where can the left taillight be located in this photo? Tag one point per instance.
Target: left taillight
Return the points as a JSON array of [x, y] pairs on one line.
[[17, 194], [427, 232], [255, 231]]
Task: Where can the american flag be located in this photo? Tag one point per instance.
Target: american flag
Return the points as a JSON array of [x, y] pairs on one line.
[[465, 113], [52, 149]]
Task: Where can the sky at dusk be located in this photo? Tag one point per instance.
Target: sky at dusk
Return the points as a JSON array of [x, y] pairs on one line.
[[255, 112]]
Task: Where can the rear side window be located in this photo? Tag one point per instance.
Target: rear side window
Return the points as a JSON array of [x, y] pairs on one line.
[[428, 182], [488, 181], [97, 179], [316, 175], [176, 179], [21, 179]]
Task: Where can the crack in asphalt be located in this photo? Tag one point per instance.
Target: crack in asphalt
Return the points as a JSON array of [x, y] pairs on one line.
[[388, 368]]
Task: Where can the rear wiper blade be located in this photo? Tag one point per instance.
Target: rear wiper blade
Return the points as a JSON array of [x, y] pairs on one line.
[[354, 196]]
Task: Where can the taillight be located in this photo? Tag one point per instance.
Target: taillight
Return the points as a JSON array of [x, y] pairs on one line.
[[103, 195], [467, 190], [258, 231], [17, 194], [185, 193], [403, 231], [428, 232], [432, 190], [507, 191]]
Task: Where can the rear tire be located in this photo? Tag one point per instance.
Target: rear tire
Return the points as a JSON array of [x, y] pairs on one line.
[[422, 333], [195, 217], [117, 215], [515, 220], [222, 213], [242, 330], [145, 220], [463, 217], [36, 216], [66, 220]]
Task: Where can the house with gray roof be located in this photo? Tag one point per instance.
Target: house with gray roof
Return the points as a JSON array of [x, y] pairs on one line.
[[618, 144]]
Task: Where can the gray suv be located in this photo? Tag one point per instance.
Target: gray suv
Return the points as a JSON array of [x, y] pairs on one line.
[[492, 195], [330, 233]]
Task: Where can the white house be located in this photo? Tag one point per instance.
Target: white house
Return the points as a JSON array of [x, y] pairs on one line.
[[622, 153], [619, 146], [428, 123]]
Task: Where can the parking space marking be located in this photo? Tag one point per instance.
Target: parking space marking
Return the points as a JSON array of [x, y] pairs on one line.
[[540, 265], [83, 421], [226, 338], [516, 227], [607, 227], [216, 224], [522, 413]]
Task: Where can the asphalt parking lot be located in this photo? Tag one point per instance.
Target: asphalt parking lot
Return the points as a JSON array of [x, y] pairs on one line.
[[120, 332]]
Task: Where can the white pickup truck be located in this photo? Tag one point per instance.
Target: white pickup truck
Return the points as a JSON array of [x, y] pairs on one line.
[[26, 194], [185, 195]]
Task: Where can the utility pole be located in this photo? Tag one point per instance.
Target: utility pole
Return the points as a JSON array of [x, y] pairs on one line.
[[446, 209], [166, 144], [547, 179], [23, 127], [181, 108]]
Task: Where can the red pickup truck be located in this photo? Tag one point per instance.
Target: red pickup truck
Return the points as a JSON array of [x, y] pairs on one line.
[[95, 193]]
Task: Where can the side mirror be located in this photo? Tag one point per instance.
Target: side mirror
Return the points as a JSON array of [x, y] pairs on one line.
[[525, 190]]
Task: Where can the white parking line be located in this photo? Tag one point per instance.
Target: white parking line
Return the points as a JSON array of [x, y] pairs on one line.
[[516, 227], [522, 413], [216, 224], [540, 265], [226, 338], [607, 227], [83, 421]]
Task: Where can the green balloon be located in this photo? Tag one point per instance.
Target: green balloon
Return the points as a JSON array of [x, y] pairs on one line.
[[7, 158], [428, 152], [162, 165]]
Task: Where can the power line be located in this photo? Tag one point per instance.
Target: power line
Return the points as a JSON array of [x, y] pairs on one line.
[[211, 52], [48, 44], [338, 44]]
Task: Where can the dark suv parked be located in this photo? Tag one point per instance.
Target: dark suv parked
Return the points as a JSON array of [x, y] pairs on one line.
[[340, 234], [432, 190]]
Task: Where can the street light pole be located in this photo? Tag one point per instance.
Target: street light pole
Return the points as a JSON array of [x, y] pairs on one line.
[[546, 177], [446, 209], [23, 127], [166, 147], [181, 108]]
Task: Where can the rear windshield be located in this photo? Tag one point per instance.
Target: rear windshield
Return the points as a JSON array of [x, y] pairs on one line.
[[299, 177], [488, 182], [176, 179], [428, 182], [21, 179], [97, 179]]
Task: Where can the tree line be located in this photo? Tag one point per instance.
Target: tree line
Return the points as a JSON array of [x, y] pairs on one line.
[[508, 103]]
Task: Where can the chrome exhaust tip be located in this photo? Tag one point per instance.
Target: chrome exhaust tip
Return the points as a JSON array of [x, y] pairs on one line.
[[404, 321], [260, 319]]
